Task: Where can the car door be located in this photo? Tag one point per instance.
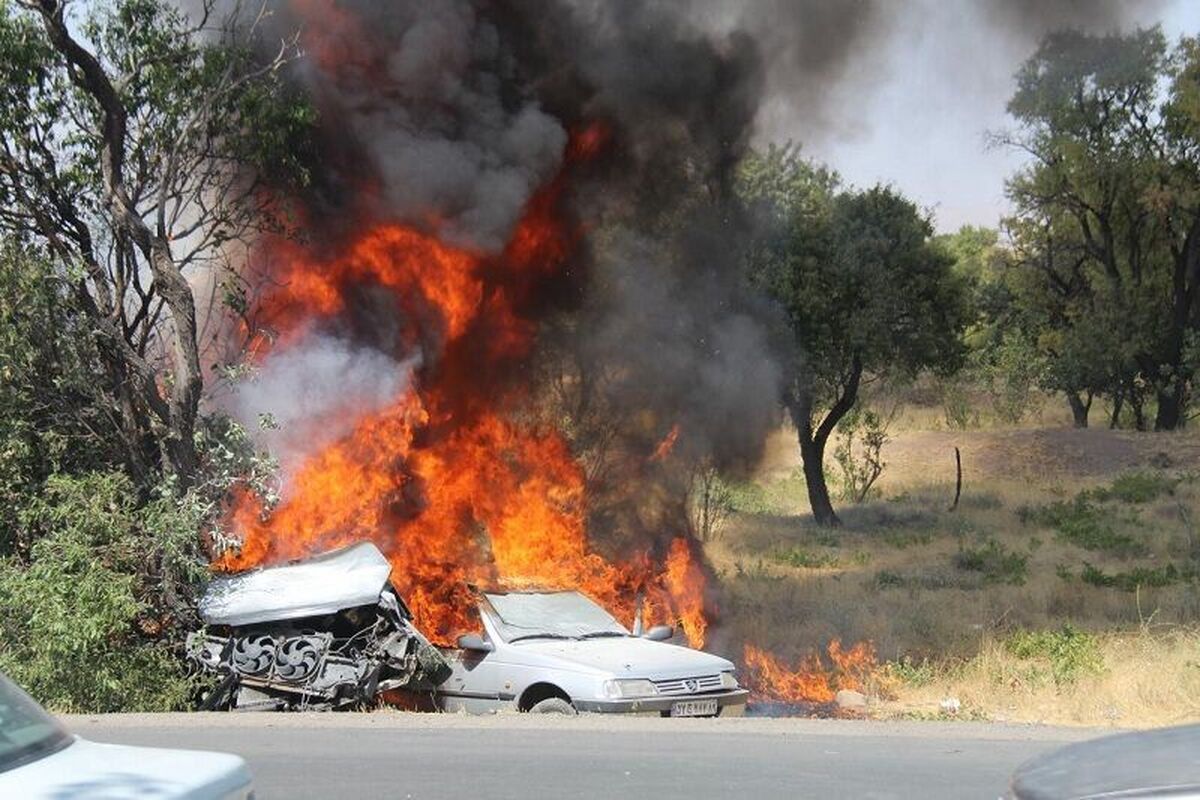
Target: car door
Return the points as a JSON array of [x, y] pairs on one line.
[[480, 681]]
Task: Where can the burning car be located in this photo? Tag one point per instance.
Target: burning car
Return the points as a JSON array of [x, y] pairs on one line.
[[331, 632], [560, 652], [328, 632]]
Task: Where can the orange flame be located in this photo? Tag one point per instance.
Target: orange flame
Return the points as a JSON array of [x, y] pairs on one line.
[[452, 489], [812, 681], [666, 445]]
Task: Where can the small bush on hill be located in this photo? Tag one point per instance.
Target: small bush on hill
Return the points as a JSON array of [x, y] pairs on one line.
[[887, 579], [1132, 580], [1085, 525], [996, 563], [1137, 487], [799, 557]]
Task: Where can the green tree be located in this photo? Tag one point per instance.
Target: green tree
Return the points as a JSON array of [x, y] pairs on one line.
[[97, 574], [87, 614], [130, 151], [108, 472], [1113, 174], [51, 418], [866, 293]]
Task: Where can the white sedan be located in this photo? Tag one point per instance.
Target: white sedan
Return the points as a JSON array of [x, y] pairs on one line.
[[560, 652], [39, 758]]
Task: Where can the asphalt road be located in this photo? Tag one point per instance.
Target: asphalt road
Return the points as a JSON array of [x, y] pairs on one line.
[[397, 755]]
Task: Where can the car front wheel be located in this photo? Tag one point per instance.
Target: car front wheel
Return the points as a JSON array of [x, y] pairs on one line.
[[553, 705]]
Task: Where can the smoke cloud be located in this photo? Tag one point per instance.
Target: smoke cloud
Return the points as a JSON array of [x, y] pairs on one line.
[[311, 393], [450, 115], [418, 100], [824, 61]]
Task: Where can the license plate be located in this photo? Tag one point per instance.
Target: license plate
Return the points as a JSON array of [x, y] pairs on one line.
[[694, 708]]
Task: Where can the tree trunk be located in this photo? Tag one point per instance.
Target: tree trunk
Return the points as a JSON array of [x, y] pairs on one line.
[[1079, 409], [1138, 404], [1114, 421], [1169, 416], [813, 439], [179, 409], [1172, 397], [812, 452]]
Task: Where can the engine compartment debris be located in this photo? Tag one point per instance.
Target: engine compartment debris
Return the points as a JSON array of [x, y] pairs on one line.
[[326, 633]]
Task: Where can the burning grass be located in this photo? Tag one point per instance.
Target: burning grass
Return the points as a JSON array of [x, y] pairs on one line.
[[815, 680]]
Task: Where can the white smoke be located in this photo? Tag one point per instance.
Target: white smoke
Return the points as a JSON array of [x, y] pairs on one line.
[[312, 393]]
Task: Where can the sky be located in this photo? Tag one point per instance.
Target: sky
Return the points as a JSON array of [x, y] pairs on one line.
[[913, 107]]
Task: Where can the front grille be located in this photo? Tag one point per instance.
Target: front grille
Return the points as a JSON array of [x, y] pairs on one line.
[[703, 683]]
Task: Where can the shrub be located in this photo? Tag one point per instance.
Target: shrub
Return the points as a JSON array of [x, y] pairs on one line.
[[1011, 370], [799, 557], [910, 672], [1132, 580], [748, 497], [1070, 653], [89, 621], [958, 410], [994, 562], [886, 579], [1085, 525], [710, 502], [1137, 487], [859, 453]]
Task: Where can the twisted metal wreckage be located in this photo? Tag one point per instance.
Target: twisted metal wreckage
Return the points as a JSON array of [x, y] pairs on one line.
[[329, 632]]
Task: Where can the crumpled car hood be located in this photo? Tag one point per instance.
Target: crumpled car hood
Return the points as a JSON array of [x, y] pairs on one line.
[[326, 584], [628, 657]]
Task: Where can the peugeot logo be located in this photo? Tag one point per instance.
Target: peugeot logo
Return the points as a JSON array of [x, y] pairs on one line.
[[692, 685]]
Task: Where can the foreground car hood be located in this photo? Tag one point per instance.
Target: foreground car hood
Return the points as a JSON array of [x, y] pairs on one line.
[[1156, 763], [628, 657], [92, 771]]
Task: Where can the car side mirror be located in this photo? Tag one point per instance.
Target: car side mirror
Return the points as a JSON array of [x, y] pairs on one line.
[[658, 633], [473, 641]]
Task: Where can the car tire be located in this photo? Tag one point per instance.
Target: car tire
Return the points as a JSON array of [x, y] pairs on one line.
[[553, 705]]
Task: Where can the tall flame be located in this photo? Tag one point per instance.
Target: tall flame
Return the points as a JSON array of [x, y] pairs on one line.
[[445, 480]]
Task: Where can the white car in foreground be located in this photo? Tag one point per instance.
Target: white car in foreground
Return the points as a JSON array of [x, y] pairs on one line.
[[560, 652], [39, 758]]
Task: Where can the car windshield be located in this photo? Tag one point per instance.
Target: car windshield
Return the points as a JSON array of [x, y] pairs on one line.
[[554, 615], [26, 731]]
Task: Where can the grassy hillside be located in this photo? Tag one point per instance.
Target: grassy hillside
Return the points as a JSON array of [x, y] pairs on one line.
[[1065, 587]]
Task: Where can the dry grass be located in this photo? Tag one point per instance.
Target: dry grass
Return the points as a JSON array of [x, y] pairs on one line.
[[1144, 679], [894, 573]]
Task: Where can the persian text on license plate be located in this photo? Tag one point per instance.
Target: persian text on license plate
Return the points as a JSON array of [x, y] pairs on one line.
[[694, 708]]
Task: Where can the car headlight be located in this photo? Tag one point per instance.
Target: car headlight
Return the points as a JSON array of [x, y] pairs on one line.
[[629, 688], [728, 681]]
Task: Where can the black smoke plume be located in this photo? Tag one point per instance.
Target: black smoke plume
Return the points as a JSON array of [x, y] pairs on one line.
[[449, 115]]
